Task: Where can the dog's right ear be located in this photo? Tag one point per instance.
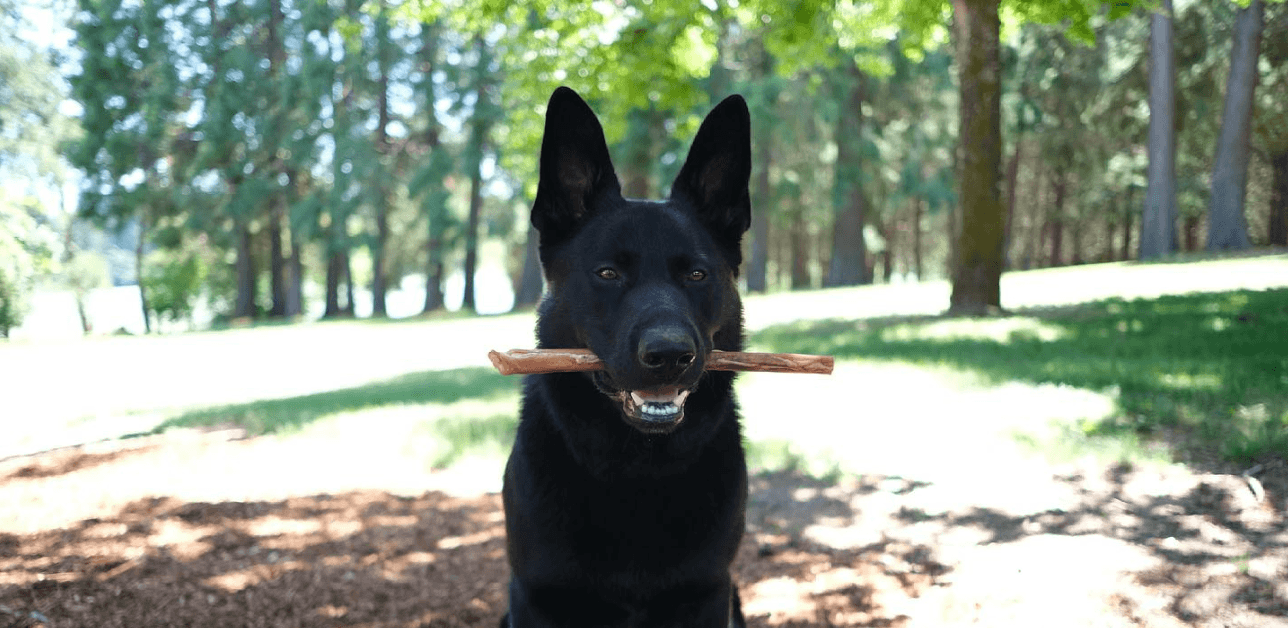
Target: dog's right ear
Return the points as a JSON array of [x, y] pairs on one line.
[[575, 166]]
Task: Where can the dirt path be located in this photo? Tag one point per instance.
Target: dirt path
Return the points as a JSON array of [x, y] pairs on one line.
[[211, 529]]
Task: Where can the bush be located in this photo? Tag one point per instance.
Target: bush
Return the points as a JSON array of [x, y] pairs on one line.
[[172, 281], [13, 301]]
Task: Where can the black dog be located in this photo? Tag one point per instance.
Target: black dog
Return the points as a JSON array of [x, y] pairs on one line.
[[626, 489]]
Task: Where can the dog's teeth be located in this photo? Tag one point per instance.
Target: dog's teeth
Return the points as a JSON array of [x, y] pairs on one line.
[[679, 399], [639, 401], [659, 409]]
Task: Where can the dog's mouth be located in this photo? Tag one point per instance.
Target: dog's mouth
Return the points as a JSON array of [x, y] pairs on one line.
[[650, 410], [656, 410]]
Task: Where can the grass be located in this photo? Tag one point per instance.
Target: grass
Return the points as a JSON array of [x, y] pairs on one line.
[[292, 413], [458, 407], [1210, 368]]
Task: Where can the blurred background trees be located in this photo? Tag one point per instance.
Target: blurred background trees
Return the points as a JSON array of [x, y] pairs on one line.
[[330, 158]]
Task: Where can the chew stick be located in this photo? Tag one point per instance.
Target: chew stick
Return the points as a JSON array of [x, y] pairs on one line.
[[534, 361]]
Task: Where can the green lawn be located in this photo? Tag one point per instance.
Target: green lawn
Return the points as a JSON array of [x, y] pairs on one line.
[[1209, 370]]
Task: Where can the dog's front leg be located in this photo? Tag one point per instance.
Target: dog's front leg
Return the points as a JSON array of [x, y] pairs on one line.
[[713, 606], [544, 607]]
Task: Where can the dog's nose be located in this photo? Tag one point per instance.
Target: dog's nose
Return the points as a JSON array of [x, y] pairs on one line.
[[666, 350]]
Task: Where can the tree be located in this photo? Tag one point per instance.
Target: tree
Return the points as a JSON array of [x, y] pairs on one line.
[[32, 130], [130, 89], [381, 190], [979, 253], [482, 119], [1227, 225], [764, 105], [849, 265], [1158, 225], [428, 184], [977, 272]]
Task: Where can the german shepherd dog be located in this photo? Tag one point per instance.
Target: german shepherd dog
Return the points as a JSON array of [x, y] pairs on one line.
[[626, 488]]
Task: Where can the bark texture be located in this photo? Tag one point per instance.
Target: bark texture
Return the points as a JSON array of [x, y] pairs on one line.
[[977, 270], [1227, 225], [1158, 223], [849, 251]]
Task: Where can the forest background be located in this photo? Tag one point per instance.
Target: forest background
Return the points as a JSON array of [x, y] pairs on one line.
[[299, 158]]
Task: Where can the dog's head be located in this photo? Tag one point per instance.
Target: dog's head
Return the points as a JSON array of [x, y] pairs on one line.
[[649, 286]]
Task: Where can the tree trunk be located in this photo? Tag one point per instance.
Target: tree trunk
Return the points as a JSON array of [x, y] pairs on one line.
[[334, 272], [528, 292], [1158, 225], [800, 253], [433, 266], [1278, 223], [758, 264], [1111, 232], [887, 253], [978, 272], [379, 283], [1034, 232], [1190, 227], [1227, 223], [472, 233], [434, 199], [637, 169], [244, 307], [295, 282], [1012, 181], [276, 260], [383, 191], [1128, 223], [1058, 188], [277, 200], [1075, 242], [954, 236], [849, 251], [434, 286], [138, 273], [346, 269], [916, 238], [480, 123]]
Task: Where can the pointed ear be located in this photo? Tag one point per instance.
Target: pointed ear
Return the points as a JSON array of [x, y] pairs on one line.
[[716, 173], [575, 167]]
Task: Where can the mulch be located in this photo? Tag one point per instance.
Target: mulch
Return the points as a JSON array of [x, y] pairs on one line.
[[374, 558], [366, 558]]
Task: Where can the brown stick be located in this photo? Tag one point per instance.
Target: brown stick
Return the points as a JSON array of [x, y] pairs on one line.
[[534, 361]]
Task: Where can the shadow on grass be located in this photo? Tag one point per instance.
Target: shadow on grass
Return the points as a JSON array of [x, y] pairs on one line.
[[1211, 368], [276, 415], [463, 436]]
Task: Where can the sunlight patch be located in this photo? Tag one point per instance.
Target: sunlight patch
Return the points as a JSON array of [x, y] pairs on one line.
[[1188, 381], [453, 542], [1000, 330], [275, 526]]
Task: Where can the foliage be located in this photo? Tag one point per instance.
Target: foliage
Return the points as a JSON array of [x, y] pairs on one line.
[[174, 279], [240, 119], [32, 131], [12, 300], [84, 272], [27, 245], [1209, 367]]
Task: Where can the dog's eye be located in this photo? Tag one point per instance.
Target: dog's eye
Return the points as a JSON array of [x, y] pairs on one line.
[[697, 275], [608, 274]]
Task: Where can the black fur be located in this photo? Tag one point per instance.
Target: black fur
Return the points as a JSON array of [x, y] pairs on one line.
[[617, 513]]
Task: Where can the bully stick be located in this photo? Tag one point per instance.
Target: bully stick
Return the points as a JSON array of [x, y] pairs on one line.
[[532, 361]]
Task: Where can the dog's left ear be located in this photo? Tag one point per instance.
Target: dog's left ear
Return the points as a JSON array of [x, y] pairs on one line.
[[717, 171]]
